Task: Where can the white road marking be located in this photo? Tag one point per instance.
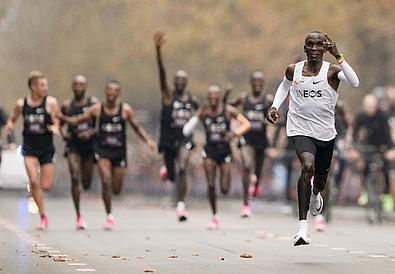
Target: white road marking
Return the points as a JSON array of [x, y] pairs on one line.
[[357, 252], [85, 269], [41, 246], [377, 256]]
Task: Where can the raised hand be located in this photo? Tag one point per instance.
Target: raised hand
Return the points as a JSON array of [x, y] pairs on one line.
[[331, 47], [159, 39]]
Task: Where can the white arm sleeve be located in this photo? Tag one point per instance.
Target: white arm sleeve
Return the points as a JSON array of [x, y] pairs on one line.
[[348, 75], [190, 126], [281, 93]]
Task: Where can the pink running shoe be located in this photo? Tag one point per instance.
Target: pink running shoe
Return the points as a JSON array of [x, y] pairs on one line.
[[214, 224], [81, 225], [43, 223], [182, 214], [320, 223], [245, 211], [109, 224], [163, 174]]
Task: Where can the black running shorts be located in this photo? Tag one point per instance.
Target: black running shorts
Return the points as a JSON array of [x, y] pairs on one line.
[[322, 151]]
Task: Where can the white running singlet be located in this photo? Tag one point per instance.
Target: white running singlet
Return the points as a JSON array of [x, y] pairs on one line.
[[312, 106]]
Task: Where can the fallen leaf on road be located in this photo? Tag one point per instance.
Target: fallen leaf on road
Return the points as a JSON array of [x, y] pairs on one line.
[[148, 250], [221, 259], [195, 254], [40, 264], [140, 257], [150, 270], [116, 257], [173, 257], [59, 259], [245, 256]]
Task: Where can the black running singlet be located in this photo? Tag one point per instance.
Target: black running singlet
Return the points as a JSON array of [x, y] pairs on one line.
[[76, 110], [173, 119], [35, 126], [216, 128], [255, 113], [112, 130]]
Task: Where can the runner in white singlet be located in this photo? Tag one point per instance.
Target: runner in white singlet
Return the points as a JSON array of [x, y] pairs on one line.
[[312, 86]]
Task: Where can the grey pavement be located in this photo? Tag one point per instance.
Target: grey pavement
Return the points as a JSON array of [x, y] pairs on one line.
[[147, 237]]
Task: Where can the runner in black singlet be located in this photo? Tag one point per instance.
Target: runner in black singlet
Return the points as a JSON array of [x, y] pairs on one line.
[[111, 141], [80, 143], [39, 112], [253, 143], [216, 116], [177, 109]]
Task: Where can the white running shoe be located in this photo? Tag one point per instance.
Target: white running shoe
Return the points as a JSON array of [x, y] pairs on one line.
[[316, 203], [302, 238]]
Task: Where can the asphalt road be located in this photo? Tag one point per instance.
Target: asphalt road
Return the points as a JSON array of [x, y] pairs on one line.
[[148, 238]]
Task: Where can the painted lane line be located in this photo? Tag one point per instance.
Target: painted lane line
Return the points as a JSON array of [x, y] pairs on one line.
[[42, 248], [85, 269], [377, 256], [76, 264], [357, 252]]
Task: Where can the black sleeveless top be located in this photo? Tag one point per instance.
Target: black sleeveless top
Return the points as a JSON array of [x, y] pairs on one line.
[[112, 130], [76, 110], [255, 113], [173, 119], [216, 128], [35, 126]]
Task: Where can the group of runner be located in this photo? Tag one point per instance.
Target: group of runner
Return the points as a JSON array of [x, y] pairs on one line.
[[97, 131]]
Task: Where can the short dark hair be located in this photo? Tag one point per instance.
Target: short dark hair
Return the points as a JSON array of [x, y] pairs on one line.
[[33, 76], [314, 32], [114, 82]]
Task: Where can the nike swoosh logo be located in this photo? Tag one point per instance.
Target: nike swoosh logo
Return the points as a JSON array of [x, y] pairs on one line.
[[317, 82]]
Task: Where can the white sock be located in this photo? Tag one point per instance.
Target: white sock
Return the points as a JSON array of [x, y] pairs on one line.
[[302, 225], [180, 205]]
